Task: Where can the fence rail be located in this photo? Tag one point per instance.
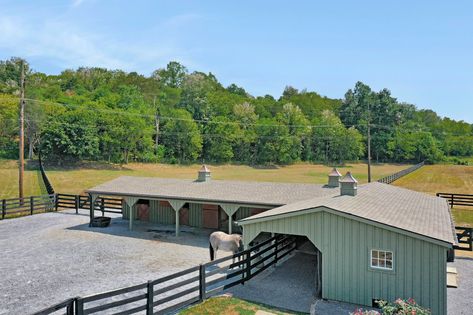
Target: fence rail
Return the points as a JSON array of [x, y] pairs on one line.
[[393, 177], [47, 183], [102, 203], [173, 292], [14, 207], [457, 199], [464, 236]]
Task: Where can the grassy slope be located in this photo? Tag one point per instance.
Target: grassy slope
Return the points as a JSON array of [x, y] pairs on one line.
[[9, 181], [75, 180], [444, 178]]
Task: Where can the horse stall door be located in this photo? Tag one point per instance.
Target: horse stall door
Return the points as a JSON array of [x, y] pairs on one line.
[[143, 211], [210, 216], [184, 216]]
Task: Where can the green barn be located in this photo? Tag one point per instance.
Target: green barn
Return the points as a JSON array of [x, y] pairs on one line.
[[371, 242]]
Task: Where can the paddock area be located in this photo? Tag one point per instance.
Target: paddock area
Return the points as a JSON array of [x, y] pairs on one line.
[[47, 258]]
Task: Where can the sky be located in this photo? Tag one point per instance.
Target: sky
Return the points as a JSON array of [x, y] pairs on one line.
[[420, 50]]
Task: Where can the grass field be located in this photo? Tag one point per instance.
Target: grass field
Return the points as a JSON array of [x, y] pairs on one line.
[[432, 179], [75, 180], [228, 305]]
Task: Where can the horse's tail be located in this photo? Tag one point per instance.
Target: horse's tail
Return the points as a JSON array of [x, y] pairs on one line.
[[211, 250]]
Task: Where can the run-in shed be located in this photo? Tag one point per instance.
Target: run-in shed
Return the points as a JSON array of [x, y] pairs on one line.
[[203, 202], [376, 241]]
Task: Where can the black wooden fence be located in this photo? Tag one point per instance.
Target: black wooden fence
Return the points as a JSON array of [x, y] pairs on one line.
[[15, 207], [464, 234], [173, 292], [47, 183], [393, 177], [102, 203], [457, 199]]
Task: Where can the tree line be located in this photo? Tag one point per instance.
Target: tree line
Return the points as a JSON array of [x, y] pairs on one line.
[[177, 116]]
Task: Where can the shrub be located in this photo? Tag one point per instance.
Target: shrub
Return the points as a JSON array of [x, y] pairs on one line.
[[398, 307], [403, 307]]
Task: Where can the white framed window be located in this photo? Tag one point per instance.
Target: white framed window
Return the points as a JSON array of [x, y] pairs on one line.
[[382, 259]]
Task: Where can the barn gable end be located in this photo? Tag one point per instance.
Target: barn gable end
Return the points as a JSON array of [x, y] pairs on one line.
[[419, 265]]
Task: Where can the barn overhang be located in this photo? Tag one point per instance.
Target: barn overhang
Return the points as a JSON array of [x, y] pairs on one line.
[[177, 203]]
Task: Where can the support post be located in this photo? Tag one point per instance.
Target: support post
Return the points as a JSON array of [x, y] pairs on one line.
[[149, 298], [56, 201], [131, 213], [177, 205], [177, 222], [31, 205], [230, 210], [92, 198]]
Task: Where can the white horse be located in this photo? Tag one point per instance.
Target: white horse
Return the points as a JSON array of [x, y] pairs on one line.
[[226, 242]]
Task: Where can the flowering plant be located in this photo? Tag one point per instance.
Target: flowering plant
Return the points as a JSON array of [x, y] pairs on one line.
[[398, 307], [403, 307]]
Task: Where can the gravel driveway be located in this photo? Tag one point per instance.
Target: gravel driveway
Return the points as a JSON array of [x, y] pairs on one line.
[[47, 258], [460, 300]]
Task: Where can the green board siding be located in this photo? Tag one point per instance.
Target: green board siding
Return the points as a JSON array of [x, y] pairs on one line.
[[419, 266], [243, 212], [195, 214]]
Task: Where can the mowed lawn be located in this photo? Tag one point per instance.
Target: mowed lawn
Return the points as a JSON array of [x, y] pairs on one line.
[[75, 180], [231, 306], [432, 179]]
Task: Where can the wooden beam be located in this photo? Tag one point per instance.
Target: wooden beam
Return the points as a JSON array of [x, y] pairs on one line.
[[130, 201], [230, 210], [177, 205]]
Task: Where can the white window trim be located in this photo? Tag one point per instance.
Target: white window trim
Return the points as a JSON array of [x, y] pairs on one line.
[[381, 268]]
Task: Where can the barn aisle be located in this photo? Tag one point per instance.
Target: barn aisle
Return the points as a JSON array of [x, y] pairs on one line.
[[289, 286]]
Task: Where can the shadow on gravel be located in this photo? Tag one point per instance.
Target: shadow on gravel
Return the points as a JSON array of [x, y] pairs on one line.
[[161, 233]]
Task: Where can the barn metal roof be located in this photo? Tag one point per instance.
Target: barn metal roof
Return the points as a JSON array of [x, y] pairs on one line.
[[241, 192], [382, 203]]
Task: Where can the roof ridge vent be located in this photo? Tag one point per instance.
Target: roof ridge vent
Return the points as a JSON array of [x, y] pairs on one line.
[[204, 174], [348, 185], [334, 178]]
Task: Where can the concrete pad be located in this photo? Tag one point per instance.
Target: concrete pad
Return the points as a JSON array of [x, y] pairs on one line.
[[289, 286]]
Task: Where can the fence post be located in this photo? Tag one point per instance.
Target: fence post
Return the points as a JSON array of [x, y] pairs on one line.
[[31, 205], [276, 253], [76, 203], [57, 201], [451, 202], [149, 298], [70, 307], [248, 265], [102, 206], [4, 208], [79, 306], [202, 284]]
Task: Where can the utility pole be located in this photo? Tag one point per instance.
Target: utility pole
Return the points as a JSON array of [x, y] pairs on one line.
[[22, 133], [369, 143], [156, 121]]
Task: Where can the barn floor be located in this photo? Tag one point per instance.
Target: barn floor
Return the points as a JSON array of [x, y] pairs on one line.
[[47, 258], [288, 286]]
